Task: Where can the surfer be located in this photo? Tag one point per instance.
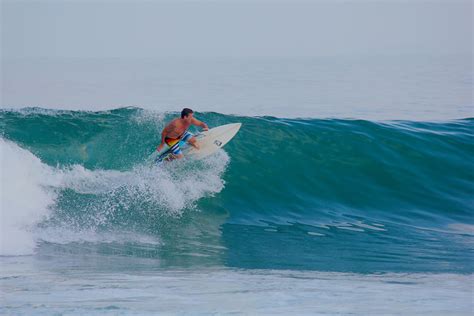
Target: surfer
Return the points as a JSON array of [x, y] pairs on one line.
[[177, 130]]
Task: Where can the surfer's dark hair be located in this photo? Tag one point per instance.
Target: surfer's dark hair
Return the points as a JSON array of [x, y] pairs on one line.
[[185, 112]]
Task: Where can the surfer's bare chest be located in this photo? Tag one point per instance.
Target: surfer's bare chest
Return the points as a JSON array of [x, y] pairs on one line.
[[177, 127]]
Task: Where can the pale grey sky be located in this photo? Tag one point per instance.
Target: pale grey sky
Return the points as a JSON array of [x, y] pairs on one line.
[[136, 29]]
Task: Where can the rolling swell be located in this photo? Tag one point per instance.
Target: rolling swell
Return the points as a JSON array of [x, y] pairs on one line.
[[343, 195]]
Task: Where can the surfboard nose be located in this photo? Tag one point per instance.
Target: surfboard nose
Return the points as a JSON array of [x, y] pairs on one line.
[[235, 125]]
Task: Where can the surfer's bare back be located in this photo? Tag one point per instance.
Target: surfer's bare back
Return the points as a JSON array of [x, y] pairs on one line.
[[177, 130]]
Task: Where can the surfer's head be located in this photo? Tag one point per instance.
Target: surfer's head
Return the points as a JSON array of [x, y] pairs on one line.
[[187, 114]]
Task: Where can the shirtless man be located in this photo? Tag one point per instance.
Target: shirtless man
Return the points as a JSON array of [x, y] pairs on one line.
[[177, 130]]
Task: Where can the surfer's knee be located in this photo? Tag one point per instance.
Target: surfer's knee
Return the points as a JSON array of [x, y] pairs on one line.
[[193, 142]]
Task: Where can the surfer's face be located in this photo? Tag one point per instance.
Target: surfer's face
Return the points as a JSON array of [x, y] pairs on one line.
[[189, 117]]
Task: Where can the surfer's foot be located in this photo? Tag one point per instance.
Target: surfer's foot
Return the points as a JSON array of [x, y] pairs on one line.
[[171, 157]]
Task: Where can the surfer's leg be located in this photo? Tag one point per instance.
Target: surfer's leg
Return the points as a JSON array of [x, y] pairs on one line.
[[177, 153], [190, 139], [193, 142]]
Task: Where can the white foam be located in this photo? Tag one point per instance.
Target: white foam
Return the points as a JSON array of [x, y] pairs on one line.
[[25, 198], [173, 186], [30, 188]]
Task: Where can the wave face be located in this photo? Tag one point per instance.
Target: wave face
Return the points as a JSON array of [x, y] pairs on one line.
[[309, 194]]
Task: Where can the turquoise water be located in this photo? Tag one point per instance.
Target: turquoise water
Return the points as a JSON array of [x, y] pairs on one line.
[[381, 205]]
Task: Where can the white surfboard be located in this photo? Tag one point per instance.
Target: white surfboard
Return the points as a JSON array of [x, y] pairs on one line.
[[210, 141]]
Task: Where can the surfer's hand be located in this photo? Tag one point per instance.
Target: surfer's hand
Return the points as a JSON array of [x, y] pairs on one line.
[[205, 128], [159, 147]]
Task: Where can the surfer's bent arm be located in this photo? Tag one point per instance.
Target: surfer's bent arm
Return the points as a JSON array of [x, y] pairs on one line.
[[163, 137], [200, 124]]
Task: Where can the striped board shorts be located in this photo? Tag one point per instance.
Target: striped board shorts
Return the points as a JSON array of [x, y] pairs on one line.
[[174, 143]]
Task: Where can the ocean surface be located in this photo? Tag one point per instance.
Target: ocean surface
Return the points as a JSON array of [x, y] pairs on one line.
[[309, 209]]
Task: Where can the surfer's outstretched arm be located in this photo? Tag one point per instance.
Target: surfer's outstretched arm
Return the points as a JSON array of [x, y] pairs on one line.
[[200, 124]]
